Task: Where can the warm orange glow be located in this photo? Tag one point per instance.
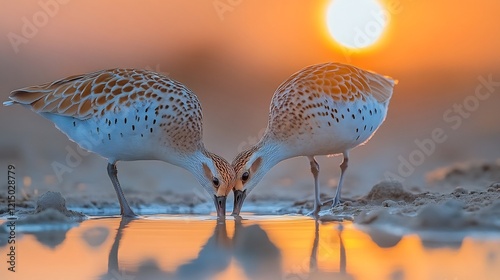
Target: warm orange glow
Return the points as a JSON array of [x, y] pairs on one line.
[[234, 61], [356, 24], [170, 243]]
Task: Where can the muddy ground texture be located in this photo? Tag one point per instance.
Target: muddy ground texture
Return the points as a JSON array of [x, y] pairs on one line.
[[460, 199]]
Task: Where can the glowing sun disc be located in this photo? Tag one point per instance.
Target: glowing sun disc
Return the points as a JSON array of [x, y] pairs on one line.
[[356, 24]]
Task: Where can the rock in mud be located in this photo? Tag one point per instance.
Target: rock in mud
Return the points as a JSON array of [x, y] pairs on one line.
[[389, 190], [54, 201]]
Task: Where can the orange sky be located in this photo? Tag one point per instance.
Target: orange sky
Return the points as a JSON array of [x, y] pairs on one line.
[[420, 34], [436, 49], [242, 57]]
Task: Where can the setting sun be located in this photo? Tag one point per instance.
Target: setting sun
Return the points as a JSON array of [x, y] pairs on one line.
[[356, 24], [262, 139]]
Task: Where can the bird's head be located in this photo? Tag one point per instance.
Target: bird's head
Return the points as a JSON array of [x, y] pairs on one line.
[[218, 179], [248, 168]]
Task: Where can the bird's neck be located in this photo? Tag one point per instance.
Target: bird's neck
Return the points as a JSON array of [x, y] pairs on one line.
[[193, 162], [271, 151], [261, 158]]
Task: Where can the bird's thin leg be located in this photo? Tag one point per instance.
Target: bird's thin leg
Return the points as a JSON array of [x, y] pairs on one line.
[[125, 209], [315, 172], [343, 168]]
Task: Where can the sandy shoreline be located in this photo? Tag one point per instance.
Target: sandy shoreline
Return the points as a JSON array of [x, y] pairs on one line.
[[388, 208]]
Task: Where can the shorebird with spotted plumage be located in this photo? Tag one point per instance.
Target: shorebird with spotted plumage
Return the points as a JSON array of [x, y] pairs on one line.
[[323, 109], [129, 114]]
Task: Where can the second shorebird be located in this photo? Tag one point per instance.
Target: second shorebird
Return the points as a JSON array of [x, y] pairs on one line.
[[128, 114], [323, 109]]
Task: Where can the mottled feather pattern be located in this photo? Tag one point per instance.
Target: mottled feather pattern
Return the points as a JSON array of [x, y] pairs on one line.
[[340, 81], [84, 96], [323, 109], [310, 92], [241, 159], [128, 114], [222, 164], [98, 94]]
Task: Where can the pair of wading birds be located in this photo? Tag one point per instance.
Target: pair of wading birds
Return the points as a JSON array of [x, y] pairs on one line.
[[127, 114]]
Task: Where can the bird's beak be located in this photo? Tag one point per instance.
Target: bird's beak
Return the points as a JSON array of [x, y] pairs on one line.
[[220, 206], [239, 197]]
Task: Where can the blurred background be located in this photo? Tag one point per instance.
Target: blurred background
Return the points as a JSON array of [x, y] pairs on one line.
[[233, 54]]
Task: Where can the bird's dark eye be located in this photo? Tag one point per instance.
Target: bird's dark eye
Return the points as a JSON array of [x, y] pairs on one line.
[[245, 176], [215, 181]]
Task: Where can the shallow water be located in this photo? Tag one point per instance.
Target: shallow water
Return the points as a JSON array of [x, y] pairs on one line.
[[258, 247]]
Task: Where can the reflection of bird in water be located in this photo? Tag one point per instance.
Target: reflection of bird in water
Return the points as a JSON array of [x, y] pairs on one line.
[[148, 269], [127, 114], [250, 246], [113, 267], [257, 255], [213, 258], [342, 274], [323, 109], [314, 272]]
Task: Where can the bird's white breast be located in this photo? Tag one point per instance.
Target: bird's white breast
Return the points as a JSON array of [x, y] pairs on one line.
[[336, 126], [131, 133]]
